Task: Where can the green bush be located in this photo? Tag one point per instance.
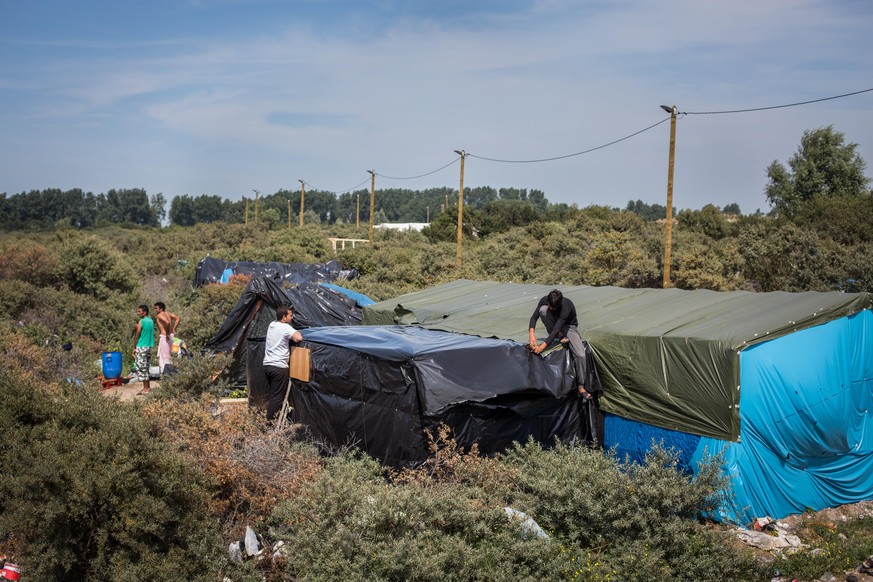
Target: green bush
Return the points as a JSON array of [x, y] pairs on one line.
[[91, 266], [208, 309], [28, 261], [16, 296], [606, 520], [195, 376], [68, 315], [378, 531], [89, 493], [642, 517]]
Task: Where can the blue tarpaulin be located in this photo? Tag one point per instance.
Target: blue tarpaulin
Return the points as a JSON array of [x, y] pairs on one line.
[[806, 418]]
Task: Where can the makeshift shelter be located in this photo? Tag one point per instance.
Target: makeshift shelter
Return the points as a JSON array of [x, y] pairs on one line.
[[781, 383], [244, 330], [212, 270], [383, 387]]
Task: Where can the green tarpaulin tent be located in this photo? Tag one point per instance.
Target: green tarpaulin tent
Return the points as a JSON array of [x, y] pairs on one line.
[[666, 357]]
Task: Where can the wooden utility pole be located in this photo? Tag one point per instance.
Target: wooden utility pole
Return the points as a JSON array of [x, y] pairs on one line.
[[372, 201], [358, 212], [668, 234], [302, 194], [256, 204], [247, 211], [460, 208], [289, 213]]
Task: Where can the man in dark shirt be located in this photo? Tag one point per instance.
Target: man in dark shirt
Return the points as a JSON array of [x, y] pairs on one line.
[[559, 317]]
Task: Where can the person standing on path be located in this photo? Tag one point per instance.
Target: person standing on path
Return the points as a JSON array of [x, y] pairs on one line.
[[142, 348], [167, 324], [277, 355]]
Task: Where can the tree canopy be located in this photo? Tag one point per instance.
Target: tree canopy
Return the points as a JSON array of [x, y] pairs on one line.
[[823, 166]]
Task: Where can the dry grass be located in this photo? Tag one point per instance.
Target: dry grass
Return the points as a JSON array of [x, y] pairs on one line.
[[250, 466]]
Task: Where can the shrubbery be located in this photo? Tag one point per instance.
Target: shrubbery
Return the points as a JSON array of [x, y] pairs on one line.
[[445, 521], [90, 485], [89, 492], [90, 266], [248, 467]]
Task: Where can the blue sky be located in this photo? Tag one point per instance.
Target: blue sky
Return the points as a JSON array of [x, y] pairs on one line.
[[222, 97]]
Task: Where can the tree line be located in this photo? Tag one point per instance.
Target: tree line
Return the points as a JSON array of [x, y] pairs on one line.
[[44, 209], [80, 209], [824, 169], [41, 209], [491, 209]]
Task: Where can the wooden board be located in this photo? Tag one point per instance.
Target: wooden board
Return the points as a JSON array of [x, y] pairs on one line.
[[299, 365]]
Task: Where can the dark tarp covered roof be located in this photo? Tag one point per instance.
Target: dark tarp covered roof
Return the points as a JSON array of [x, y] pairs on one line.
[[384, 386], [666, 357], [244, 329], [212, 270], [313, 306]]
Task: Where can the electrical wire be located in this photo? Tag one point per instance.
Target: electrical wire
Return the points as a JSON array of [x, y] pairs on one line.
[[420, 175], [352, 189], [778, 106], [600, 147]]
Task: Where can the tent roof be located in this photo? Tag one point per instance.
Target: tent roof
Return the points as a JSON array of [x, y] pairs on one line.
[[313, 305], [214, 270], [668, 357], [397, 343], [502, 310], [449, 368]]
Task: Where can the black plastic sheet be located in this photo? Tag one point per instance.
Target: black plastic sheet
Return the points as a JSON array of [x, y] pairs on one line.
[[212, 270], [382, 387], [243, 331]]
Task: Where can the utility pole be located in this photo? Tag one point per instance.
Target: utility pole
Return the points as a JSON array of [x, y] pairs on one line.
[[256, 204], [289, 213], [372, 202], [358, 211], [302, 194], [247, 211], [668, 234], [463, 155]]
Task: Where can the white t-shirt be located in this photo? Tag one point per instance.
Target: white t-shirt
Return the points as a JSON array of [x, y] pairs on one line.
[[278, 352]]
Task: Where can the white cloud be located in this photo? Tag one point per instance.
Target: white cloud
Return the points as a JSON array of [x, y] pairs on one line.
[[563, 77]]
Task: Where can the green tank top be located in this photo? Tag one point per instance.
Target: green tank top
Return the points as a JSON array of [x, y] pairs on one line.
[[147, 333]]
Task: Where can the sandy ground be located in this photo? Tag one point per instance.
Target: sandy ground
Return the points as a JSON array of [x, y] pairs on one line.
[[129, 391]]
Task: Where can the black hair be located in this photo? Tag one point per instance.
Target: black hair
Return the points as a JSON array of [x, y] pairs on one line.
[[145, 308], [556, 298], [281, 312]]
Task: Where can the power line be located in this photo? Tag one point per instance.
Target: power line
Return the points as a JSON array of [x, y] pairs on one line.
[[778, 106], [420, 175], [600, 147], [353, 188]]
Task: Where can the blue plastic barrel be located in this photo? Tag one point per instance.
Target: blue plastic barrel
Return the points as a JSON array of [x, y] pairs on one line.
[[111, 365]]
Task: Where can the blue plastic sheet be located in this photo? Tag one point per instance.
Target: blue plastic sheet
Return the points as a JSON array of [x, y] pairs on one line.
[[806, 428]]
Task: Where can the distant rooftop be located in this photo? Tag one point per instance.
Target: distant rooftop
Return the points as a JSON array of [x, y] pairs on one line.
[[402, 225]]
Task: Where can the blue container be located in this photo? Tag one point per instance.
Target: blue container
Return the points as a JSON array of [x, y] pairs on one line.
[[111, 365]]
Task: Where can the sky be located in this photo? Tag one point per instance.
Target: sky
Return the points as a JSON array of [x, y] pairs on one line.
[[223, 97]]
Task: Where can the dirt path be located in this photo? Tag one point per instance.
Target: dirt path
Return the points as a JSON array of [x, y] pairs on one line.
[[129, 391]]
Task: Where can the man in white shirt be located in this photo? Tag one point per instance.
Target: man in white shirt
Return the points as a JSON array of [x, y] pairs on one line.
[[276, 358]]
